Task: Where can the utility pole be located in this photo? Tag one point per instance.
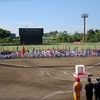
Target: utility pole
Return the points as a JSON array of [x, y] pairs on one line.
[[84, 16]]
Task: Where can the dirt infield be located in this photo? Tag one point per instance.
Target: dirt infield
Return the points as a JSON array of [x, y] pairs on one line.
[[43, 79]]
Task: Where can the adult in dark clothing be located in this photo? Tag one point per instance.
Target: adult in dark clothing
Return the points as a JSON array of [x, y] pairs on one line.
[[89, 89], [97, 89]]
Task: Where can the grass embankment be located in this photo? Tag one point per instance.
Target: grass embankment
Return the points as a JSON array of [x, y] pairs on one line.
[[50, 46]]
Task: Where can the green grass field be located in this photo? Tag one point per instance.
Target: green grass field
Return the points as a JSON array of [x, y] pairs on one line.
[[60, 46]]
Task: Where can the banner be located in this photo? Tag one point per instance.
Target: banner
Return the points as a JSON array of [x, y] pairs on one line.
[[23, 50], [77, 42]]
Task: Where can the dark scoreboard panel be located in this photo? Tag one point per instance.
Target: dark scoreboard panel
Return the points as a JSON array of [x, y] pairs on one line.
[[31, 35], [30, 31]]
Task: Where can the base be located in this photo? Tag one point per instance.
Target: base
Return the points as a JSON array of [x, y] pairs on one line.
[[80, 75]]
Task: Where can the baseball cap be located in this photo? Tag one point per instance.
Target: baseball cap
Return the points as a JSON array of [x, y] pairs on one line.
[[77, 79]]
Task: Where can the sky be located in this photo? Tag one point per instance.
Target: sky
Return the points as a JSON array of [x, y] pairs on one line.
[[52, 15]]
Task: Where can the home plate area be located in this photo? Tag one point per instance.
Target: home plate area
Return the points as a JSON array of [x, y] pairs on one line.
[[60, 75], [69, 73]]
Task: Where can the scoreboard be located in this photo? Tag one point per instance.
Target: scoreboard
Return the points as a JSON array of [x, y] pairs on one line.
[[30, 31], [31, 35]]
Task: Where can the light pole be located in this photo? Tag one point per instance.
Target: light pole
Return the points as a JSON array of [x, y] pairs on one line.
[[84, 16]]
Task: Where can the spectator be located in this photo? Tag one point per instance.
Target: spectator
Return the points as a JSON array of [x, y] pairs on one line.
[[77, 88], [89, 89], [97, 89]]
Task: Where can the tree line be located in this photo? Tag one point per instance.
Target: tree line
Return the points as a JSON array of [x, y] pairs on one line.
[[92, 36], [5, 37]]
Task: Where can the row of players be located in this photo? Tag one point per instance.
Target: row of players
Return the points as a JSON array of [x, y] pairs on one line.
[[47, 53]]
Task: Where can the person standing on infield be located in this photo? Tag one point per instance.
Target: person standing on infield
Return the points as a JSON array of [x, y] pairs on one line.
[[89, 89], [97, 89], [77, 88]]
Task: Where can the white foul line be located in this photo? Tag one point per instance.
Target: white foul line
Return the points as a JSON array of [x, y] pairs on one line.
[[64, 72]]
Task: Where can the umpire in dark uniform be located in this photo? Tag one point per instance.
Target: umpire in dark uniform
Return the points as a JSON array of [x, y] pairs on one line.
[[89, 89], [97, 89]]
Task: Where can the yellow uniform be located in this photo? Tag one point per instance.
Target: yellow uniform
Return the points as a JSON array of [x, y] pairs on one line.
[[77, 88]]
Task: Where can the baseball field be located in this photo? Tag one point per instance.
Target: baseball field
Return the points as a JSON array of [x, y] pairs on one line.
[[43, 78]]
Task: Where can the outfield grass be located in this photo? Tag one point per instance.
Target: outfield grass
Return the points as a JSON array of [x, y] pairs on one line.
[[60, 46]]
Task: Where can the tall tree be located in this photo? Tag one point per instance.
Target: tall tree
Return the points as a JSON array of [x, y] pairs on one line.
[[4, 33], [77, 36], [97, 35], [91, 36]]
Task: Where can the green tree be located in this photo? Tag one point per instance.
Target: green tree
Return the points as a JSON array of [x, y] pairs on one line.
[[91, 36], [77, 36], [51, 34], [4, 33], [97, 33], [62, 37], [70, 39]]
